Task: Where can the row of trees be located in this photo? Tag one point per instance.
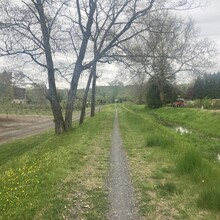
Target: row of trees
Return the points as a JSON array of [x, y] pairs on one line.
[[34, 94], [63, 38], [207, 86]]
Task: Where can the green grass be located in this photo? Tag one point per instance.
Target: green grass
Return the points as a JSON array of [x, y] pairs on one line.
[[204, 121], [189, 161], [175, 176], [63, 177], [57, 177]]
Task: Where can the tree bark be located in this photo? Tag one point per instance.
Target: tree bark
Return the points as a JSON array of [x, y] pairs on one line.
[[83, 110], [78, 66], [93, 91], [71, 97], [52, 93]]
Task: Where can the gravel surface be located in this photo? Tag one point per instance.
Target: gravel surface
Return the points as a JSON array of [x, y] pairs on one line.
[[121, 195]]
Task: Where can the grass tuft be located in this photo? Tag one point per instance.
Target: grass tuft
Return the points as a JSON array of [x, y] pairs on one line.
[[157, 139], [168, 188], [189, 162], [209, 198]]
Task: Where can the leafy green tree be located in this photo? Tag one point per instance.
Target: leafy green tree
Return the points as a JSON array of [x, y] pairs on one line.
[[207, 86], [153, 98], [153, 95]]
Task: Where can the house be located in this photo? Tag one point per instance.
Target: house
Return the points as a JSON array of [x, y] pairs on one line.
[[19, 95]]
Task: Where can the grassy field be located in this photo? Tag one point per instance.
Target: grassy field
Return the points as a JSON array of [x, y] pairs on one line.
[[176, 176], [57, 177]]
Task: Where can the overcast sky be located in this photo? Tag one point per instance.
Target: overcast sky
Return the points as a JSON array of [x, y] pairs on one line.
[[207, 20]]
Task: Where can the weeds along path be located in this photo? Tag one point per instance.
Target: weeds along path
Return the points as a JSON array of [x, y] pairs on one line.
[[121, 195]]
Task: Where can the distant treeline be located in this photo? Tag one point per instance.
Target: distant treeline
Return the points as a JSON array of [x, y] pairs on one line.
[[207, 86]]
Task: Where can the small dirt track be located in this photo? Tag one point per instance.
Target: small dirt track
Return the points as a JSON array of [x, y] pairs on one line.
[[14, 127], [121, 196]]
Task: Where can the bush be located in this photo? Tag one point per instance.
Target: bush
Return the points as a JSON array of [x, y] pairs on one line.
[[205, 103]]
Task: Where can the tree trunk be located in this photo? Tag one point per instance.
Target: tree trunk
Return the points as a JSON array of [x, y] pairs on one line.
[[71, 97], [58, 117], [83, 110], [78, 67], [93, 91], [52, 93]]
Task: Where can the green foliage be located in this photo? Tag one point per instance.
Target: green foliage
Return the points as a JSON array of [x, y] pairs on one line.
[[6, 91], [205, 103], [153, 96], [207, 86]]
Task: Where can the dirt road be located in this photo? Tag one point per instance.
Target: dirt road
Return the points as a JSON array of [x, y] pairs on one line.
[[14, 126], [121, 196], [19, 126]]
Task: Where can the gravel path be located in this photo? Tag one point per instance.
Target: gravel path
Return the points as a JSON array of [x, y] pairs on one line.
[[121, 195]]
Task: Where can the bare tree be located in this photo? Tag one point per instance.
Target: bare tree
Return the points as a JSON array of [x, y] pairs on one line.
[[41, 28], [170, 47], [116, 23], [30, 32]]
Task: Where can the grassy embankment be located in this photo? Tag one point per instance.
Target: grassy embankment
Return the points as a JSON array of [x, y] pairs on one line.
[[176, 176], [57, 177]]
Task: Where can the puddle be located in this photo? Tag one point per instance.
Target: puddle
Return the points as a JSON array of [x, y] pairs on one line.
[[182, 130]]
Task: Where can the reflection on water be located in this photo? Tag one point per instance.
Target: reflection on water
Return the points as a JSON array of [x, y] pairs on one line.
[[182, 130]]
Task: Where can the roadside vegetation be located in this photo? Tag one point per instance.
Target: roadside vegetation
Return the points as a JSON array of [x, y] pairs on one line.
[[206, 122], [57, 177], [176, 176]]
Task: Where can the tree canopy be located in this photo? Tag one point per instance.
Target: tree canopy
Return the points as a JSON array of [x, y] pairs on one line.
[[207, 86]]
